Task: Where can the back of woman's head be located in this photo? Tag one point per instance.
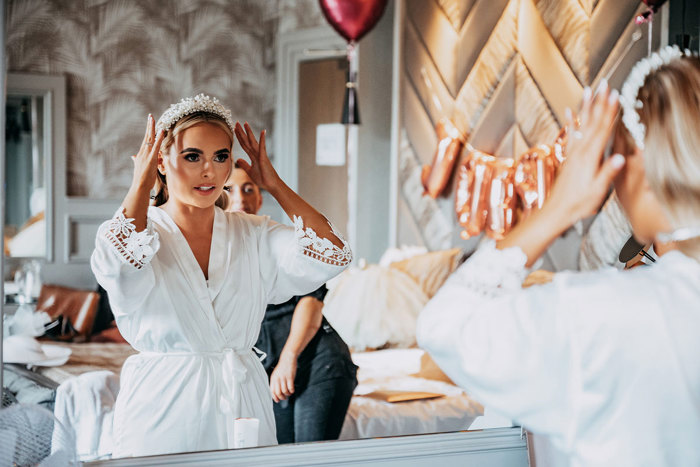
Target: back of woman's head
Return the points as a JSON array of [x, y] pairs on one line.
[[181, 125], [670, 112]]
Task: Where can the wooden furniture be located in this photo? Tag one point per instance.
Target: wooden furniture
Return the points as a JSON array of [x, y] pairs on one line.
[[76, 307]]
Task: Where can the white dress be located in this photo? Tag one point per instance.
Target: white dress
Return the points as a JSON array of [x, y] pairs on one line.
[[197, 370], [606, 364]]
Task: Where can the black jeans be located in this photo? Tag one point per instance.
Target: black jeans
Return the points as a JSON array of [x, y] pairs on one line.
[[314, 414]]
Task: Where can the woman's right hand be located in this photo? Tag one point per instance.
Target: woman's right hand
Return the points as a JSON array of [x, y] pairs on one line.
[[584, 179], [146, 160]]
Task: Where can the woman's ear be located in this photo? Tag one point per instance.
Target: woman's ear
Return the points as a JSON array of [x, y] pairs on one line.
[[161, 165]]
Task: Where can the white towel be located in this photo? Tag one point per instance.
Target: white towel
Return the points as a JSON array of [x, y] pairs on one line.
[[85, 404]]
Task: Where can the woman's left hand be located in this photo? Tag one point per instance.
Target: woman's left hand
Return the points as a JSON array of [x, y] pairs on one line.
[[585, 177], [261, 170], [282, 378], [583, 181]]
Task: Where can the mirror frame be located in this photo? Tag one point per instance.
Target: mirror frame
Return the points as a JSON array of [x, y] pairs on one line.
[[53, 90], [494, 447]]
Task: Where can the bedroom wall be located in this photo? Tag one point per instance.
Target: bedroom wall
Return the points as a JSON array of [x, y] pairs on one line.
[[126, 58], [503, 71]]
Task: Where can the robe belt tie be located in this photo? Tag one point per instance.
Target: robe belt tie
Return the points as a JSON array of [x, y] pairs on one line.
[[233, 372]]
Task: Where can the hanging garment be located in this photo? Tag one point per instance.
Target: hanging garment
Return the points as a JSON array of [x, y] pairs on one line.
[[196, 370]]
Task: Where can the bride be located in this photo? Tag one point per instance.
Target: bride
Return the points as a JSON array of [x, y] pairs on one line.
[[189, 283], [605, 363]]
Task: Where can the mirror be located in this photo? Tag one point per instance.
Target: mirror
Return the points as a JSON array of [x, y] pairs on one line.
[[30, 155], [104, 82], [27, 167]]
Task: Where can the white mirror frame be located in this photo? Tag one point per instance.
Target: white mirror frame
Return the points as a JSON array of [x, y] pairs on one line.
[[53, 91], [496, 447]]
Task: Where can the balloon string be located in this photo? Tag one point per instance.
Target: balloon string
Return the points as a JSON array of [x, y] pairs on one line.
[[636, 36], [352, 62]]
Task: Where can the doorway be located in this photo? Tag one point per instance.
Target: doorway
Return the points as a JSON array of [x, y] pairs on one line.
[[320, 93]]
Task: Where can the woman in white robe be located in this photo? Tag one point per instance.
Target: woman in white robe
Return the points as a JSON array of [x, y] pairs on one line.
[[605, 364], [189, 284]]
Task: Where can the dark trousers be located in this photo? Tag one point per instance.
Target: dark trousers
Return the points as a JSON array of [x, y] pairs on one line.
[[314, 414]]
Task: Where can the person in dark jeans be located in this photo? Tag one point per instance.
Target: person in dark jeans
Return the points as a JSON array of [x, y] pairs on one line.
[[311, 384], [311, 373]]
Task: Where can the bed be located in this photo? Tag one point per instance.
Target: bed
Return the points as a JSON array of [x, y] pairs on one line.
[[87, 385], [404, 370]]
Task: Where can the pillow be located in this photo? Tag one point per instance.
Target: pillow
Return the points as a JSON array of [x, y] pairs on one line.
[[430, 270], [374, 307], [430, 370], [392, 255]]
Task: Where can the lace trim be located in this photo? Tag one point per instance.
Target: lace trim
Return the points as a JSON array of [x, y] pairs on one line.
[[319, 248], [135, 248], [491, 272]]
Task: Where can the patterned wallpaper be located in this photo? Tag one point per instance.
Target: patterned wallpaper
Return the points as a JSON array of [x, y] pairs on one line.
[[503, 71], [126, 58]]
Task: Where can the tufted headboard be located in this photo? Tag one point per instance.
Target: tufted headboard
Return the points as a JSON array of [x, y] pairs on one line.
[[503, 71]]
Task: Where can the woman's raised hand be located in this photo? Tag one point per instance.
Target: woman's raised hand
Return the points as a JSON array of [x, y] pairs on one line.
[[146, 160], [260, 170], [584, 179], [582, 182]]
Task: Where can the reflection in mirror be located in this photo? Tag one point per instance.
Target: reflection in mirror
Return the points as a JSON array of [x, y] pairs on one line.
[[32, 112], [25, 169], [112, 86]]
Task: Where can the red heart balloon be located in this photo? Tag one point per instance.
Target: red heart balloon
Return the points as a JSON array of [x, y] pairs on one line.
[[353, 18], [654, 4]]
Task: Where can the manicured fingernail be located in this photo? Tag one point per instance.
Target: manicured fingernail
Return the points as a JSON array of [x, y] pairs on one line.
[[150, 117], [568, 114], [614, 96], [603, 86], [617, 161], [587, 93]]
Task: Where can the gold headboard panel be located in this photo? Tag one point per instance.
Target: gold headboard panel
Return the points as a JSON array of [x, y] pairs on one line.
[[503, 71]]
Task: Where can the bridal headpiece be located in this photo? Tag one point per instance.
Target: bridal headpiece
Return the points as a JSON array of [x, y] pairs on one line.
[[628, 97], [190, 105]]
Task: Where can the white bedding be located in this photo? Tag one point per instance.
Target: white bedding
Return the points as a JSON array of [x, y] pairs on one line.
[[397, 369], [88, 400]]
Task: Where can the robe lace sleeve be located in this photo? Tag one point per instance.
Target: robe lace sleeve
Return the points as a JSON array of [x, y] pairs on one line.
[[506, 346], [300, 261], [121, 260]]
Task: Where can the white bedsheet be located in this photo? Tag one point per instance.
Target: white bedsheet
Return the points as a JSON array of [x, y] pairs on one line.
[[398, 369], [86, 403]]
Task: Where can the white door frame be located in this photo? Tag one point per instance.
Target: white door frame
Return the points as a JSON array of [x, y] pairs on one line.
[[292, 50]]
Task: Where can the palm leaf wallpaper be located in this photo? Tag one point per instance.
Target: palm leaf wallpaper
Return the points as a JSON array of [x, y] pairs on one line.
[[126, 58]]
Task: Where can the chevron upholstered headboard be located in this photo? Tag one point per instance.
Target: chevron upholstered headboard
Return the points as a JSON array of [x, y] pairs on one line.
[[504, 72]]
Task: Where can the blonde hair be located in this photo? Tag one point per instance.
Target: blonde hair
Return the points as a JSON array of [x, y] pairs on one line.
[[670, 112], [161, 186]]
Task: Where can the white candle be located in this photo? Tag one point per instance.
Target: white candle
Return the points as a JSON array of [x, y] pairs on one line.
[[245, 432]]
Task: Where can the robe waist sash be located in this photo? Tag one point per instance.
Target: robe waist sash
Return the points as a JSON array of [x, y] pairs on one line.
[[233, 374]]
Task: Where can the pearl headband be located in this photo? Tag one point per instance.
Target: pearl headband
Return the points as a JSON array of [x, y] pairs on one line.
[[628, 97], [630, 116], [190, 105]]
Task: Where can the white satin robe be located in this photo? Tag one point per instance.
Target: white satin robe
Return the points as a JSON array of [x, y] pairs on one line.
[[606, 364], [197, 370]]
